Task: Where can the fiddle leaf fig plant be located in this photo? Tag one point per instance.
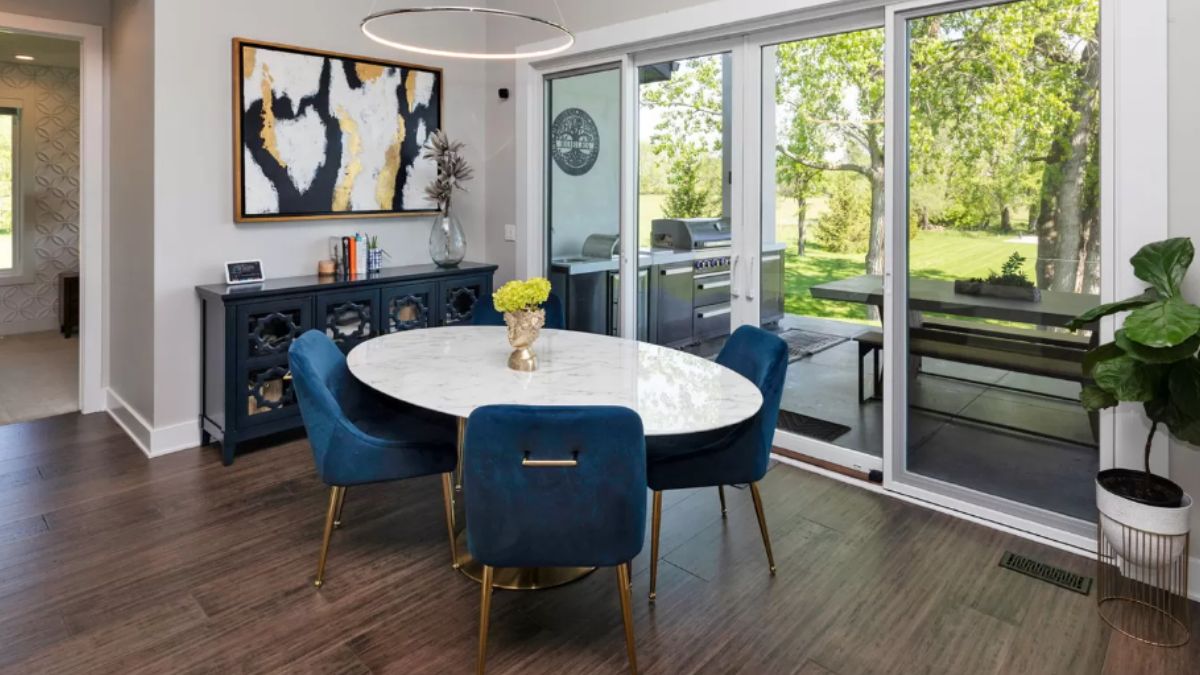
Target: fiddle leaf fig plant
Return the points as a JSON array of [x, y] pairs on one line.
[[1152, 359]]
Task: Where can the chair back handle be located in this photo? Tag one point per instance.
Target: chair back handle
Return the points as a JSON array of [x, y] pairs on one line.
[[549, 463]]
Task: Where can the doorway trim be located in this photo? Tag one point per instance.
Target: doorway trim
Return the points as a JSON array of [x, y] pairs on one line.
[[93, 211]]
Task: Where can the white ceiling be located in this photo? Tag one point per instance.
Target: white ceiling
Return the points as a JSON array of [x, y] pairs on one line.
[[45, 51]]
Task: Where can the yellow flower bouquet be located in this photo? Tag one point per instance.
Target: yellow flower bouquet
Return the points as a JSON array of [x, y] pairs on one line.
[[521, 302], [519, 296]]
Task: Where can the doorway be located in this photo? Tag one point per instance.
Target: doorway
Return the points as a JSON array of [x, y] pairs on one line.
[[40, 225]]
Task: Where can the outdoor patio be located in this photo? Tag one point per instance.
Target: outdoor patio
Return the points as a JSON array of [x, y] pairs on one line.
[[1051, 474]]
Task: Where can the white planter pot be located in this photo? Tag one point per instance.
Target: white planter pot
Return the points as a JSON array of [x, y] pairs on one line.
[[1170, 523]]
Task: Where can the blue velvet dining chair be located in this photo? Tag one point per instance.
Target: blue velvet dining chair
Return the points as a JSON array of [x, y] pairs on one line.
[[484, 313], [360, 436], [735, 455], [550, 486]]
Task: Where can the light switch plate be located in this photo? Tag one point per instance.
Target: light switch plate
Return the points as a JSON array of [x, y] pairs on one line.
[[510, 233]]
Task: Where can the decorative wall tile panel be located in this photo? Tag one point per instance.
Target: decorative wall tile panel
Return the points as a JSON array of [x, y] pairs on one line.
[[50, 121]]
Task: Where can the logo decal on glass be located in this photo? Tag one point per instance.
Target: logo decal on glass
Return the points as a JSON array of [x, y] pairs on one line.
[[574, 141]]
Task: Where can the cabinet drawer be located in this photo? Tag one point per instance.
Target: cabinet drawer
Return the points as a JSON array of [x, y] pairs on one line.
[[268, 328], [711, 289], [408, 306], [712, 321]]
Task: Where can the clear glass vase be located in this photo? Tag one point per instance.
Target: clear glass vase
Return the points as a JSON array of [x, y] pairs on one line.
[[447, 243]]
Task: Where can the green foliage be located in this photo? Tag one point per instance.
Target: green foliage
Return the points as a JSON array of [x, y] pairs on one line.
[[1153, 359], [688, 196], [518, 295], [846, 226], [1010, 274]]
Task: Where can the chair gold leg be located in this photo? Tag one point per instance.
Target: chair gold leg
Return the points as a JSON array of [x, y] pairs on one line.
[[721, 492], [485, 606], [462, 442], [337, 520], [335, 496], [762, 525], [655, 526], [448, 498], [623, 587]]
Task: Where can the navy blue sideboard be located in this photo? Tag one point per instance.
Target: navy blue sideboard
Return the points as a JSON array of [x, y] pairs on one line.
[[247, 330]]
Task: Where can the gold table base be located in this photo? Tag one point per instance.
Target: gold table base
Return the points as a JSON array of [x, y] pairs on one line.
[[517, 578]]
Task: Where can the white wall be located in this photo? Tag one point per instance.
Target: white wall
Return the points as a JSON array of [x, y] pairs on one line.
[[130, 264], [193, 208], [1184, 132], [96, 12]]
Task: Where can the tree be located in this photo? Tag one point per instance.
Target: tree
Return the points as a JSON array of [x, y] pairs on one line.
[[830, 89], [687, 137], [687, 196], [1007, 97]]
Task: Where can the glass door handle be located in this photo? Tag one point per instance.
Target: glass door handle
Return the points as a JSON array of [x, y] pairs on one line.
[[733, 292], [753, 281]]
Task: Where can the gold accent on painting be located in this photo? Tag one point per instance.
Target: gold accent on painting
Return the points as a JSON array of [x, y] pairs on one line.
[[385, 187], [268, 117], [249, 58], [341, 194], [410, 87], [369, 72]]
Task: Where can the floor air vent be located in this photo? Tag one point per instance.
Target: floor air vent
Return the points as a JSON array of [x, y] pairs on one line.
[[1048, 573]]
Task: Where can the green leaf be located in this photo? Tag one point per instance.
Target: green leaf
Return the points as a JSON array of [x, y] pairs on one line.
[[1165, 323], [1094, 398], [1127, 379], [1104, 352], [1100, 311], [1187, 431], [1184, 385], [1163, 264], [1146, 354]]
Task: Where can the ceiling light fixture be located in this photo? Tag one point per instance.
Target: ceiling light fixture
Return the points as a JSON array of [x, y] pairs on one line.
[[23, 57], [566, 38]]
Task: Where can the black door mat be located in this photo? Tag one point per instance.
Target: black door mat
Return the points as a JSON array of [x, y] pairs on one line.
[[802, 343], [1048, 573], [812, 427]]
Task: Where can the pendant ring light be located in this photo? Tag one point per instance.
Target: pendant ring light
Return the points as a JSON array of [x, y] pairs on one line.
[[566, 37]]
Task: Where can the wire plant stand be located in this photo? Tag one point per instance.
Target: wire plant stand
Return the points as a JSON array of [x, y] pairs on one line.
[[1142, 583]]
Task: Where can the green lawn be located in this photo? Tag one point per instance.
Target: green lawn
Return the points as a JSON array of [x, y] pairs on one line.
[[933, 255], [945, 255]]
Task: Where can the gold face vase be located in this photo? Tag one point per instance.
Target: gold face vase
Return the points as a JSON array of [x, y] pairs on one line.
[[523, 329]]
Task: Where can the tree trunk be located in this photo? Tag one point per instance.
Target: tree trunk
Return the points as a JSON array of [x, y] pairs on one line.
[[923, 214], [801, 214], [1088, 274], [1006, 220], [1071, 191], [876, 239]]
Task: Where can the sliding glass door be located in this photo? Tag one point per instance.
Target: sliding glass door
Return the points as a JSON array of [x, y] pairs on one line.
[[996, 227], [822, 139]]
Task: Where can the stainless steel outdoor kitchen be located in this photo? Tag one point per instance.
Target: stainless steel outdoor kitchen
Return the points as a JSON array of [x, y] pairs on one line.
[[684, 283]]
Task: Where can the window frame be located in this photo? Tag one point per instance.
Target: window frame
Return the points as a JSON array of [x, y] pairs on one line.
[[22, 243]]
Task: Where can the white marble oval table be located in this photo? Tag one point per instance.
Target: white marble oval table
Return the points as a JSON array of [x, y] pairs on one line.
[[456, 369]]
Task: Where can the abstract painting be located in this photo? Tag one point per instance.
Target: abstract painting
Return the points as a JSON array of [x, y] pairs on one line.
[[325, 135]]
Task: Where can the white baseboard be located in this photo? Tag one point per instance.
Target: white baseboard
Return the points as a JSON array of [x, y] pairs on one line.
[[31, 326], [1193, 561], [153, 442]]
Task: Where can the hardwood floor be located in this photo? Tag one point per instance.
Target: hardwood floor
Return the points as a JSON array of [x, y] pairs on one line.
[[110, 562]]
